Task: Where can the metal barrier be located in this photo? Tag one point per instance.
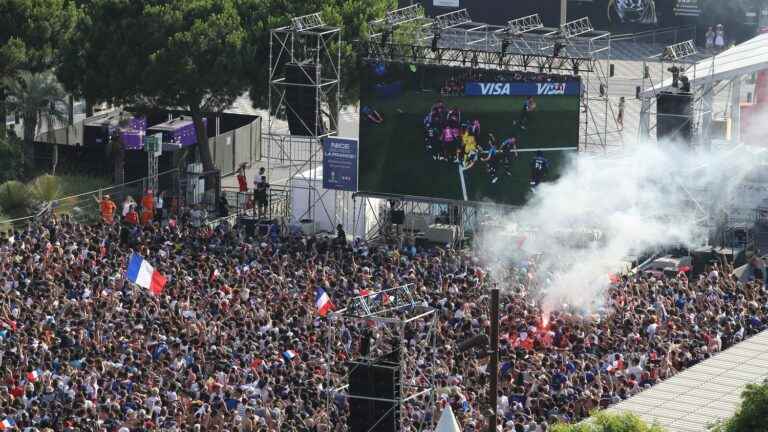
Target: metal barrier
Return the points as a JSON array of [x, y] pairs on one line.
[[289, 150], [83, 208], [278, 201]]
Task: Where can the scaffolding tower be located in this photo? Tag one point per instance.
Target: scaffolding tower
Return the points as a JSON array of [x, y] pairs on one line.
[[683, 59], [315, 49], [400, 328]]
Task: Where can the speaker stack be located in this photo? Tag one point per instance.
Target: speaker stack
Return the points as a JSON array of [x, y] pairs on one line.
[[674, 116], [379, 380], [301, 98]]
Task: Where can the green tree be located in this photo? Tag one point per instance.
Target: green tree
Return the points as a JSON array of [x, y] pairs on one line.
[[605, 422], [11, 163], [752, 414], [31, 34], [197, 61], [150, 54], [36, 96], [352, 16]]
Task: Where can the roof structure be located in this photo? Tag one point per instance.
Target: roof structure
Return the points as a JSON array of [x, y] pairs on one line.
[[745, 58], [704, 393]]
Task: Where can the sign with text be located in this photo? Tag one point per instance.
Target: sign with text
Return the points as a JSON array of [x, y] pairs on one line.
[[446, 3], [570, 88], [340, 164]]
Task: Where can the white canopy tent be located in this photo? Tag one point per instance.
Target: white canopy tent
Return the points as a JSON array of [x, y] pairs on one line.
[[745, 58], [326, 208], [447, 421]]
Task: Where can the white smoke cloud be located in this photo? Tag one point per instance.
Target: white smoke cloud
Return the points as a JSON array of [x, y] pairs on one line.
[[604, 209]]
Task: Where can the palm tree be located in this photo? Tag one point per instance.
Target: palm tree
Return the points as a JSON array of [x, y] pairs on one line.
[[36, 96]]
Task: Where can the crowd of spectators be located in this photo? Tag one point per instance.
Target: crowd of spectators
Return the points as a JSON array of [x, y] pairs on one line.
[[85, 350]]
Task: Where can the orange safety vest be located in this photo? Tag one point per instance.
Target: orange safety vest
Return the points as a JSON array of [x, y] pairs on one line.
[[107, 210]]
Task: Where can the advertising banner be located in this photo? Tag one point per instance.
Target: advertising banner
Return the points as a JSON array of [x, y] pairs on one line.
[[522, 89], [340, 164]]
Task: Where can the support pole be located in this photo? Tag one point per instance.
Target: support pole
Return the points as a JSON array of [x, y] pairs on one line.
[[563, 12], [493, 363], [736, 110], [708, 100]]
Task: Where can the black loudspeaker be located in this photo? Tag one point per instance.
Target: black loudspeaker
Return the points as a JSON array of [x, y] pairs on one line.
[[251, 225], [397, 217], [374, 380], [612, 70], [301, 98], [701, 257], [674, 116]]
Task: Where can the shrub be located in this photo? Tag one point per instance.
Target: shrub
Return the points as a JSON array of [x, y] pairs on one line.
[[11, 162], [46, 188], [15, 199], [752, 413], [609, 422]]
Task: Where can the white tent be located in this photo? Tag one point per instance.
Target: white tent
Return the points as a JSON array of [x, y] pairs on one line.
[[447, 421], [327, 208]]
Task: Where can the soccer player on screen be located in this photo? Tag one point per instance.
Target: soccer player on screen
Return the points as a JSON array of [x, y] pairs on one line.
[[529, 106], [491, 159], [469, 144], [539, 168]]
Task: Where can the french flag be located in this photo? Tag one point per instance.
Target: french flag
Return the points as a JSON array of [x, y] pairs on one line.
[[289, 355], [34, 375], [322, 302], [144, 275], [8, 423]]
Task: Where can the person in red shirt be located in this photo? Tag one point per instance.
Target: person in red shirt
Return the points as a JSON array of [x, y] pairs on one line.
[[132, 218], [241, 181]]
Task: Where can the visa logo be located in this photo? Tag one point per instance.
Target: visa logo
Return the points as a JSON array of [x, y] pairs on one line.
[[551, 89], [495, 89]]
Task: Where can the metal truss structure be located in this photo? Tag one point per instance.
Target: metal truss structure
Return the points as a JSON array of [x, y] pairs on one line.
[[658, 68], [679, 51], [524, 24], [453, 39], [316, 50], [403, 330]]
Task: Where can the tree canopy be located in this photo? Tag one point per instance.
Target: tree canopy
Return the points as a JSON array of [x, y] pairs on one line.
[[607, 422], [172, 54], [752, 414], [32, 32]]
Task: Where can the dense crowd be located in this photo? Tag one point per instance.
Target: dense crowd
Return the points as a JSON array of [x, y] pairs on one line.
[[84, 349]]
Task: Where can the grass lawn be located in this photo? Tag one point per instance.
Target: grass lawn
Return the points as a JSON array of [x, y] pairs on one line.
[[393, 158]]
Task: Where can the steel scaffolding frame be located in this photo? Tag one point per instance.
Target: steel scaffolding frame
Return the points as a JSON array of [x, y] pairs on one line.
[[685, 57], [388, 313], [306, 42]]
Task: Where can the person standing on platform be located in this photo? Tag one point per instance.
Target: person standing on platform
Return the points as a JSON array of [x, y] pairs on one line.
[[709, 41], [107, 208], [719, 38], [242, 183], [620, 115], [261, 191], [147, 207], [159, 206]]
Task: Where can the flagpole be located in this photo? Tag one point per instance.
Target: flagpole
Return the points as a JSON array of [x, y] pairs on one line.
[[493, 364]]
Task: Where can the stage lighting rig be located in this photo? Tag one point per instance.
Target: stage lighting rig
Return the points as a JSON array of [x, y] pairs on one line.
[[679, 51]]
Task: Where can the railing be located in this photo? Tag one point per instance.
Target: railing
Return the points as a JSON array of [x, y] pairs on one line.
[[289, 150], [665, 36], [84, 208], [278, 201]]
